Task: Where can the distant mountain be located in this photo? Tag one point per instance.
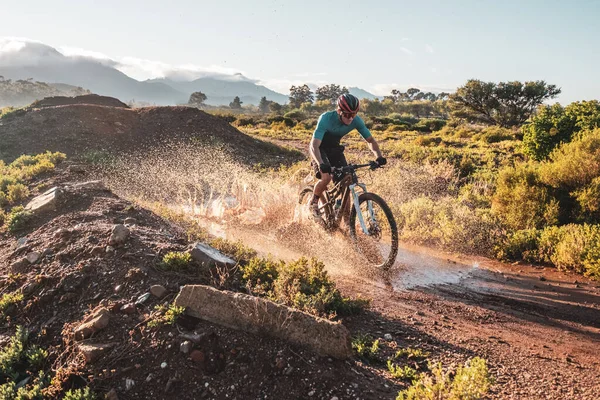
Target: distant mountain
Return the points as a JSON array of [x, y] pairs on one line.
[[222, 90], [46, 64], [101, 76], [20, 93], [362, 94]]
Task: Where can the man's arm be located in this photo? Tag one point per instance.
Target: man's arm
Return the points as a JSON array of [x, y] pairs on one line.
[[373, 146], [314, 150]]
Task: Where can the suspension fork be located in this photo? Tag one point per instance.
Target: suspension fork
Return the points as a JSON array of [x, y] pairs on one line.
[[354, 193]]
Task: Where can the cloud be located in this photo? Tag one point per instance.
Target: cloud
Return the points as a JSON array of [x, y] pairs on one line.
[[142, 69], [429, 49], [407, 51], [307, 74], [24, 51]]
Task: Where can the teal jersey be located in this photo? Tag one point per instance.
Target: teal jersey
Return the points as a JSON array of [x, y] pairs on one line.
[[330, 129]]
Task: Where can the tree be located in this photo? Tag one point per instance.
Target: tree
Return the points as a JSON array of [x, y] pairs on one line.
[[553, 125], [330, 92], [412, 92], [443, 96], [299, 95], [506, 104], [275, 107], [197, 99], [264, 105], [236, 104]]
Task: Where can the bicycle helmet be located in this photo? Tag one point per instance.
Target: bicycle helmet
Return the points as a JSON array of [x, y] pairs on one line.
[[348, 103]]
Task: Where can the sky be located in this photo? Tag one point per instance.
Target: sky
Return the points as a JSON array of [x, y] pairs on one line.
[[377, 46]]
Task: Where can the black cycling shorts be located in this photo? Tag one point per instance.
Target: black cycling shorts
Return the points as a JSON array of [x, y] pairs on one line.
[[333, 156]]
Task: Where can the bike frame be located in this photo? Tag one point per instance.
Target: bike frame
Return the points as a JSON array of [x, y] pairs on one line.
[[347, 189]]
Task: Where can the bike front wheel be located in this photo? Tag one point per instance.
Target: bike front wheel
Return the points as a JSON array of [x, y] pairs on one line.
[[378, 241]]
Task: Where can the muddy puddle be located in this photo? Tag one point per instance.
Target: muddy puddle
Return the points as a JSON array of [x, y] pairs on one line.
[[415, 268]]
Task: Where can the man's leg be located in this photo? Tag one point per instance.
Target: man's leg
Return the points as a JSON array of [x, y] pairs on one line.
[[320, 186]]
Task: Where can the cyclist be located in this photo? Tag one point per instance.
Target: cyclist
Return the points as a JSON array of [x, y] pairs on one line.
[[325, 148]]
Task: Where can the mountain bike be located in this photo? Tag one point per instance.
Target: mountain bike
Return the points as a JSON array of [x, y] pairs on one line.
[[371, 224]]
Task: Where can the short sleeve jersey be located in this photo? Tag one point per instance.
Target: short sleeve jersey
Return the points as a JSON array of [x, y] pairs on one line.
[[330, 129]]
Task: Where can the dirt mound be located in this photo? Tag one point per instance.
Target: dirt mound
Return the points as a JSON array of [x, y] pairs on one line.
[[83, 130], [93, 99]]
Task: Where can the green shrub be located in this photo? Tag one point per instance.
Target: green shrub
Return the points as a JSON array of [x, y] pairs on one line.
[[411, 354], [447, 223], [17, 218], [16, 193], [405, 373], [6, 181], [522, 200], [8, 301], [2, 213], [553, 125], [238, 250], [365, 347], [296, 115], [470, 382], [429, 125], [520, 245], [260, 275], [166, 316], [13, 355], [588, 200], [572, 247], [304, 284], [176, 261], [427, 140], [80, 394], [574, 165], [494, 134]]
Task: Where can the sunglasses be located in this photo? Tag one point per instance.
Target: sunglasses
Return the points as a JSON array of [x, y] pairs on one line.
[[348, 115]]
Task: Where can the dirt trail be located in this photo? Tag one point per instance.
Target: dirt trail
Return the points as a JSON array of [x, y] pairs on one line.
[[538, 328]]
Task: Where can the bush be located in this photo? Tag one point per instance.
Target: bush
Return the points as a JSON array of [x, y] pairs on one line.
[[520, 245], [429, 125], [470, 382], [243, 120], [304, 284], [16, 193], [6, 181], [406, 374], [296, 115], [17, 219], [238, 250], [80, 394], [260, 275], [447, 224], [572, 247], [522, 201], [494, 134], [167, 315], [427, 140], [553, 125], [176, 261], [574, 165], [8, 301], [365, 347], [588, 200]]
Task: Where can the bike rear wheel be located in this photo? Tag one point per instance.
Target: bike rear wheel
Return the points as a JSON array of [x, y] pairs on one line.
[[380, 244]]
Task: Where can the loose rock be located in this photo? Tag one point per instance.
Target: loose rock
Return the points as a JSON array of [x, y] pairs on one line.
[[119, 235], [158, 291], [33, 257]]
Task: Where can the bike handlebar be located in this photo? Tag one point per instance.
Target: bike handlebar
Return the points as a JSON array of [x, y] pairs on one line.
[[354, 167]]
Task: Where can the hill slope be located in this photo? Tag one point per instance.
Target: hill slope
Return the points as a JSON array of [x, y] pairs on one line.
[[80, 129]]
